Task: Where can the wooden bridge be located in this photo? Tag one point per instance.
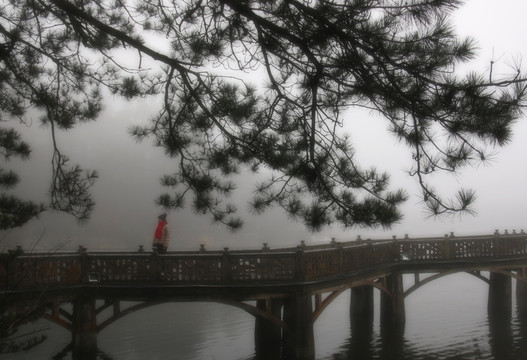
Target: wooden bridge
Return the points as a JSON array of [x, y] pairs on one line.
[[285, 289]]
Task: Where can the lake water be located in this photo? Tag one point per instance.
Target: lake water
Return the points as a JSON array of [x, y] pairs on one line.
[[445, 319]]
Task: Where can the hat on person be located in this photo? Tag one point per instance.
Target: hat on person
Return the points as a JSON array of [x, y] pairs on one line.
[[162, 216]]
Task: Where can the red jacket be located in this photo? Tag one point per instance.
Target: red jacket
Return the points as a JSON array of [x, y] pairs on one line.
[[162, 234]]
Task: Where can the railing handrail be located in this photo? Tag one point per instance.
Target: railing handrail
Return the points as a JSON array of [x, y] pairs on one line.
[[304, 262]]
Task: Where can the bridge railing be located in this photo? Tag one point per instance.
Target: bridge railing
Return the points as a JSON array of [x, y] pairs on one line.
[[37, 271], [344, 257], [451, 248], [261, 266]]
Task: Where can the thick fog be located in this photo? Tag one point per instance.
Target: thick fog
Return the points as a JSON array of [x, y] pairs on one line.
[[125, 215]]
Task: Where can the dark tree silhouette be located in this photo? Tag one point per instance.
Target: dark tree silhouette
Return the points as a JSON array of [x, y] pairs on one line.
[[14, 211], [265, 85]]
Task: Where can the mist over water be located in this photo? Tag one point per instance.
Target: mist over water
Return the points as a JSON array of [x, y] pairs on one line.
[[446, 319]]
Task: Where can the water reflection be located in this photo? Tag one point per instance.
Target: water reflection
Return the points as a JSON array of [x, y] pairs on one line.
[[500, 336], [389, 343], [452, 325], [68, 353], [360, 342], [365, 344], [507, 339], [392, 342]]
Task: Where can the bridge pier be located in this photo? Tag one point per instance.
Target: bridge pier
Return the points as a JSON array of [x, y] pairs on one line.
[[392, 305], [501, 337], [500, 296], [361, 321], [361, 307], [521, 307], [521, 298], [84, 328], [268, 336], [298, 340]]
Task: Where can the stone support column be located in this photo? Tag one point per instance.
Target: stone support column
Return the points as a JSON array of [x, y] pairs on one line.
[[501, 337], [500, 296], [521, 298], [267, 335], [521, 307], [84, 329], [361, 322], [392, 306], [298, 339], [361, 308]]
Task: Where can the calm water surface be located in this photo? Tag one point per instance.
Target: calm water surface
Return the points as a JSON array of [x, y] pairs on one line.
[[446, 319]]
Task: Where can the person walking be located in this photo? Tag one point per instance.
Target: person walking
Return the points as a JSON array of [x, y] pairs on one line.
[[161, 235]]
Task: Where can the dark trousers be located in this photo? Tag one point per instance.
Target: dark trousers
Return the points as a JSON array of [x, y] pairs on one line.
[[159, 248]]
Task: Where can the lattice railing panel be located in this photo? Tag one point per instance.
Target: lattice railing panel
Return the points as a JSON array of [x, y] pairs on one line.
[[356, 258], [321, 263], [467, 249], [422, 250], [205, 269], [512, 246], [46, 271], [120, 268], [275, 267], [384, 253]]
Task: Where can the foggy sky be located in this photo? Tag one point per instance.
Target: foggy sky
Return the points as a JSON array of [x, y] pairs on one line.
[[125, 215]]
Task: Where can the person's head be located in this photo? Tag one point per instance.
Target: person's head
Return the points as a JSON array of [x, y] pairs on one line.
[[162, 217]]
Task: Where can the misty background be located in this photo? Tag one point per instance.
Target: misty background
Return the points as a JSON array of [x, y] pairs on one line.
[[125, 215]]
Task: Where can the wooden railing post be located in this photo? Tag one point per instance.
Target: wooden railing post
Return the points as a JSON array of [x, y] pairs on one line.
[[397, 250], [340, 256], [226, 271], [155, 274], [497, 244], [370, 255], [83, 254], [524, 245], [300, 268], [447, 248]]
